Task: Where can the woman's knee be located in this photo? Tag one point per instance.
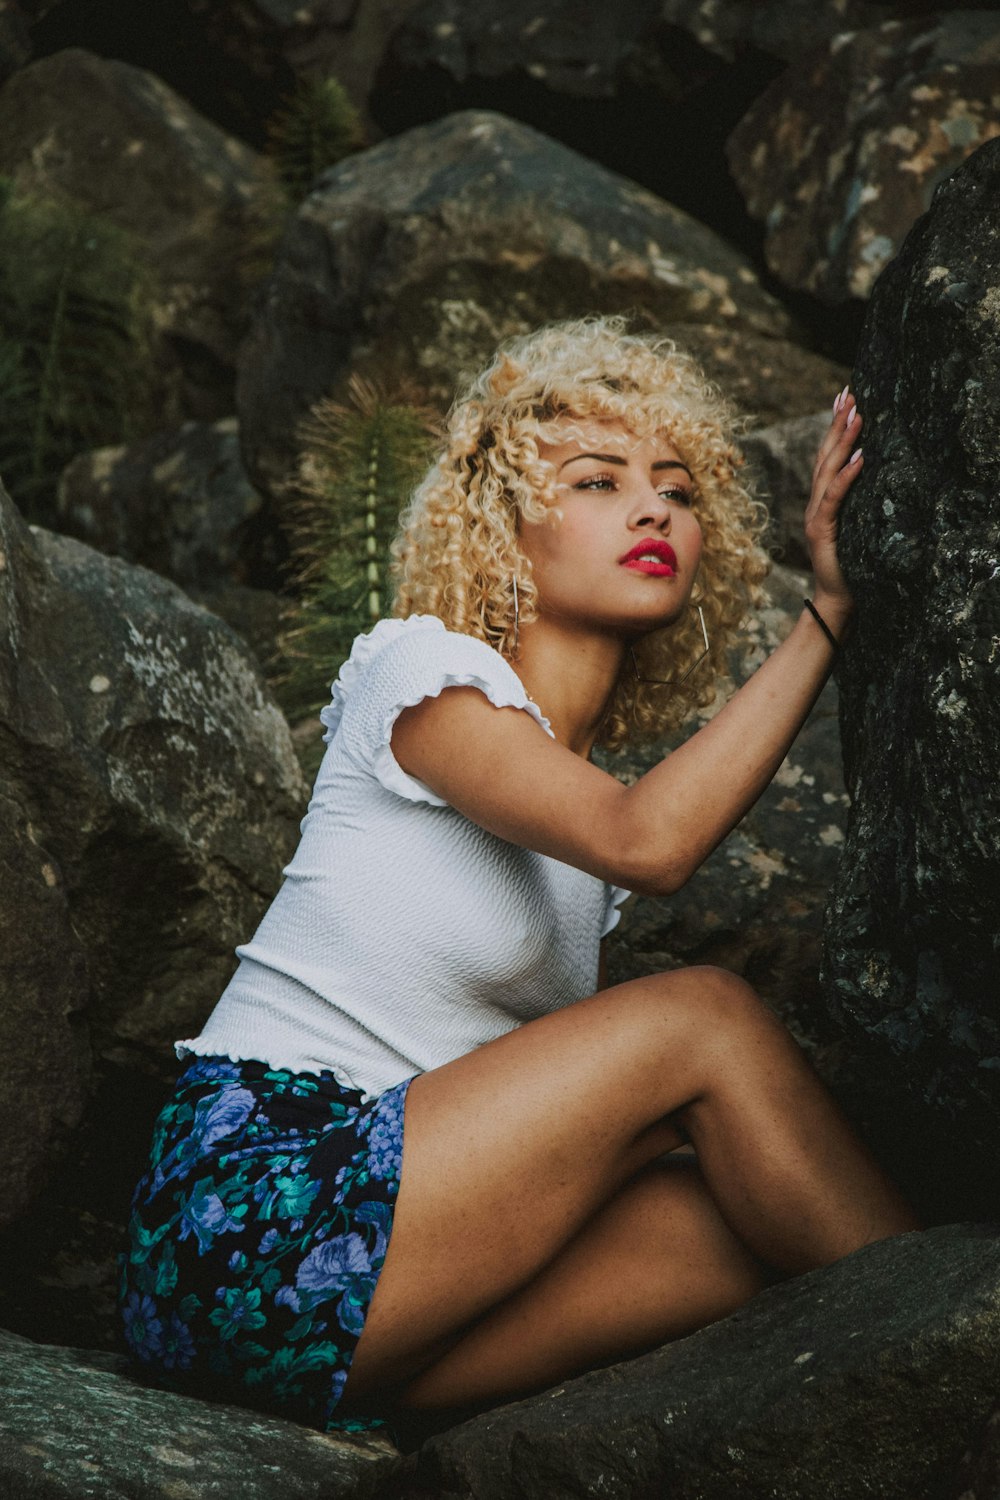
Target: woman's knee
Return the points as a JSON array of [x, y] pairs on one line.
[[701, 999]]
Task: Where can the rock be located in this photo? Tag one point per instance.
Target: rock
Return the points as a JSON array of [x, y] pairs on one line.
[[756, 905], [150, 797], [178, 502], [117, 140], [15, 41], [910, 964], [780, 459], [412, 260], [280, 40], [841, 154], [979, 1470], [867, 1377], [77, 1424]]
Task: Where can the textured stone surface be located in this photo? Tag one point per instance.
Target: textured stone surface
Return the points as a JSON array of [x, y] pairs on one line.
[[841, 154], [979, 1470], [414, 258], [867, 1378], [914, 922], [756, 904], [76, 1424], [780, 460], [178, 502], [117, 140], [150, 795], [281, 40]]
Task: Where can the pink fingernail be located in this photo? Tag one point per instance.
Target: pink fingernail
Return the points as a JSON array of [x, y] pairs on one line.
[[853, 414], [855, 456]]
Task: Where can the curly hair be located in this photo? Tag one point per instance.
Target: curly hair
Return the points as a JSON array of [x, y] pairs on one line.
[[457, 553]]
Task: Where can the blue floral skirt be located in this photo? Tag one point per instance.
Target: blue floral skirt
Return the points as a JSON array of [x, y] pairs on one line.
[[257, 1235]]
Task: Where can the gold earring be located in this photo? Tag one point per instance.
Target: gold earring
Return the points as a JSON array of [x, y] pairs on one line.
[[674, 681]]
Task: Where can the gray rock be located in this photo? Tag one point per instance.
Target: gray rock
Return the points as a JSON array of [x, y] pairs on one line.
[[76, 1424], [411, 260], [178, 502], [756, 905], [150, 797], [15, 41], [280, 40], [979, 1471], [780, 460], [914, 922], [867, 1378], [118, 141], [842, 153]]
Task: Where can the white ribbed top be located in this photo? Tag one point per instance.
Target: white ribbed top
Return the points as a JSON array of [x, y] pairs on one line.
[[403, 934]]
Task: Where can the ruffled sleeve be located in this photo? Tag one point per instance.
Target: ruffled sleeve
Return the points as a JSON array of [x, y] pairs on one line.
[[617, 894], [398, 664]]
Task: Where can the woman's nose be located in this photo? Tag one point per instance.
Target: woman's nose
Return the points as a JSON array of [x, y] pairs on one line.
[[652, 510]]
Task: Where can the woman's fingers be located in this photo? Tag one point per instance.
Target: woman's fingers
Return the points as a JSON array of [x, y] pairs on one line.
[[833, 460]]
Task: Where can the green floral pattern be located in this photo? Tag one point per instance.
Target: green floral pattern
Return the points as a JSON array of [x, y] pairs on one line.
[[257, 1235]]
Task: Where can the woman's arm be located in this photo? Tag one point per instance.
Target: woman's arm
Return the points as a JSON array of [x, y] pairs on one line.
[[517, 782]]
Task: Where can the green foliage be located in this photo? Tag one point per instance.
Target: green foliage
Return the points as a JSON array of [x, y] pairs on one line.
[[74, 341], [316, 127], [359, 463]]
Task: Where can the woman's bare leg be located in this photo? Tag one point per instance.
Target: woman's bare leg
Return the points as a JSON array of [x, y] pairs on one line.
[[512, 1149], [655, 1263]]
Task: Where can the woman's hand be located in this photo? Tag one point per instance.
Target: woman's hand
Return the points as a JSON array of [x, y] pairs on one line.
[[838, 463]]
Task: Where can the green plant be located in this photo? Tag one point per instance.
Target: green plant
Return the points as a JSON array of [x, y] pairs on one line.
[[316, 127], [360, 460], [75, 335]]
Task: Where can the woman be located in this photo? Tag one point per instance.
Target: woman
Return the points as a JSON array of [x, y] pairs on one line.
[[582, 542]]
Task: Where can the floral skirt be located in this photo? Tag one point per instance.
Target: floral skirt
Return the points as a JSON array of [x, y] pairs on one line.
[[257, 1235]]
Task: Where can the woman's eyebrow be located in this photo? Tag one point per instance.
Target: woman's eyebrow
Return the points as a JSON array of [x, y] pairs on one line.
[[613, 458]]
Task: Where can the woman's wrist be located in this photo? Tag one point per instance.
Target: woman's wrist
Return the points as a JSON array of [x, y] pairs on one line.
[[832, 616]]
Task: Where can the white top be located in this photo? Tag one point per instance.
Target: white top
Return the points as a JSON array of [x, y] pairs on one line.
[[404, 935]]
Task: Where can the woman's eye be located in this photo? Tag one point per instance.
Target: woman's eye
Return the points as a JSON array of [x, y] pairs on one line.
[[685, 497], [595, 479]]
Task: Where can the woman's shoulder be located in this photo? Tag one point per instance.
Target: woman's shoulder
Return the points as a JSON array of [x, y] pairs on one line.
[[418, 655]]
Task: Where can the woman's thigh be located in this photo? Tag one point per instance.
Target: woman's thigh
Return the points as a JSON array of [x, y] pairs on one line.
[[510, 1149], [654, 1263]]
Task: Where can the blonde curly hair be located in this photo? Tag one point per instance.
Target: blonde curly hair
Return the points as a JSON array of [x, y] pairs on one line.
[[457, 553]]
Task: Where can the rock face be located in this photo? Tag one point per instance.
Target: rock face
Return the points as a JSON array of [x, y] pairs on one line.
[[756, 904], [869, 1377], [841, 154], [117, 140], [780, 459], [913, 926], [281, 40], [76, 1424], [150, 795], [179, 502], [414, 258]]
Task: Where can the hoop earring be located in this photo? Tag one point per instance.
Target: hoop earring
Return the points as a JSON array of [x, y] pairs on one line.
[[517, 614], [674, 681]]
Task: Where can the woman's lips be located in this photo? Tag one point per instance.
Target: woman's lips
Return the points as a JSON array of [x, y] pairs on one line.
[[658, 558]]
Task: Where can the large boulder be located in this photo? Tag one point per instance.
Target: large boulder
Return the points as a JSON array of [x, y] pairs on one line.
[[178, 502], [279, 41], [412, 259], [756, 905], [76, 1424], [914, 923], [150, 797], [869, 1377], [842, 153], [115, 139], [780, 461]]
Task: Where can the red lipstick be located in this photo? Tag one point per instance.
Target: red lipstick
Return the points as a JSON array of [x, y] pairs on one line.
[[652, 556]]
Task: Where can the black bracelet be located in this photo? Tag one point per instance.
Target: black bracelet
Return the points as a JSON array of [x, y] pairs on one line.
[[810, 606]]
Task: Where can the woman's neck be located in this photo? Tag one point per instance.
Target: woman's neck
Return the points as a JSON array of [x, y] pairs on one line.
[[569, 672]]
